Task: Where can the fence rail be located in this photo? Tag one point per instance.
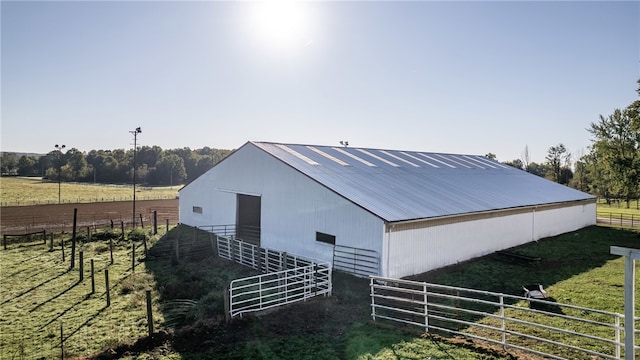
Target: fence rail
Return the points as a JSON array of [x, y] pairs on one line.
[[497, 318], [287, 278], [618, 219], [360, 262]]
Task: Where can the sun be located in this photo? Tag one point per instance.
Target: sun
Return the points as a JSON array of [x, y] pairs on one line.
[[281, 25]]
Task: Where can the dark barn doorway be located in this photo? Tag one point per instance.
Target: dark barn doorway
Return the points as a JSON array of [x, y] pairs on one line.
[[248, 218]]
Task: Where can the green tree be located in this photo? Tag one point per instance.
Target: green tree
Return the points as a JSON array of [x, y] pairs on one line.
[[559, 163], [538, 169], [27, 166], [169, 170], [616, 145], [8, 162], [516, 163]]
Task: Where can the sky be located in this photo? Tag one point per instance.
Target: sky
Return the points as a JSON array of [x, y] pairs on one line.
[[453, 77]]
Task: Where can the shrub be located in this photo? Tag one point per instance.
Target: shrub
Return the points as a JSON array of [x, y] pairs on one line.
[[137, 235]]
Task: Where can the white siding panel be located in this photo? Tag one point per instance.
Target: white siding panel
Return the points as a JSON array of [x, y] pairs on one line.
[[414, 251], [294, 206], [419, 248], [561, 220]]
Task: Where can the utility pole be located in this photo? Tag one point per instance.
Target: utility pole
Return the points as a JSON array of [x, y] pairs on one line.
[[135, 148], [59, 149]]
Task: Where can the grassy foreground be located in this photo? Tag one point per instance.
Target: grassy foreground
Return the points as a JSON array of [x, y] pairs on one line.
[[40, 295], [19, 191]]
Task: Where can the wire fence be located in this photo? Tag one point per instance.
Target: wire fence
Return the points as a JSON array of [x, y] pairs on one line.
[[53, 307]]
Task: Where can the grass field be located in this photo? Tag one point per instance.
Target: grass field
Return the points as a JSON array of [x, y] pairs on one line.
[[18, 191], [40, 293]]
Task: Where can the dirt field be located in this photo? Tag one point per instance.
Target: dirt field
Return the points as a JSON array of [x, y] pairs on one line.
[[25, 219]]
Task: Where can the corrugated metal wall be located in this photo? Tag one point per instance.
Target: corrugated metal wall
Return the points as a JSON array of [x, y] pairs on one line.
[[294, 207], [413, 248]]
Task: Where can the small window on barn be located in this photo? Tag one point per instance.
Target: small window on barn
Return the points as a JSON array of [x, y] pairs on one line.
[[197, 209], [325, 238]]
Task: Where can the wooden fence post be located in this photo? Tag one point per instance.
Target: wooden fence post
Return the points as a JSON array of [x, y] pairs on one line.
[[141, 224], [155, 222], [61, 342], [73, 238], [62, 243], [106, 280], [167, 225], [4, 241], [133, 256], [111, 249], [93, 279], [149, 313], [122, 228], [81, 265]]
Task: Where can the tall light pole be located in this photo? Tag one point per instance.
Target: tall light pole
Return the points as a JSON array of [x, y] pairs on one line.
[[135, 148], [59, 149]]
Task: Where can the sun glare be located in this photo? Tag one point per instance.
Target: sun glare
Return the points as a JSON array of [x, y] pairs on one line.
[[281, 25]]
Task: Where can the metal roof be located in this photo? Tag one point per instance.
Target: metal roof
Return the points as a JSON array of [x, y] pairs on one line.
[[407, 185]]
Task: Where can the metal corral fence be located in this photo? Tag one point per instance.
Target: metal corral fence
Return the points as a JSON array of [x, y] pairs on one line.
[[287, 279], [618, 219], [545, 328], [359, 262]]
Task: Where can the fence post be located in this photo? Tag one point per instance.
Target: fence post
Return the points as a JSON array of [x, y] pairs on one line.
[[62, 243], [4, 241], [133, 256], [122, 228], [111, 249], [155, 222], [73, 238], [144, 242], [149, 313], [106, 281], [141, 224], [93, 279], [167, 225], [373, 302], [426, 312], [503, 325], [61, 342], [227, 304], [81, 265], [51, 242], [617, 325]]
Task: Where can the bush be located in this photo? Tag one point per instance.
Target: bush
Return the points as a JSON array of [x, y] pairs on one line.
[[137, 235], [106, 235]]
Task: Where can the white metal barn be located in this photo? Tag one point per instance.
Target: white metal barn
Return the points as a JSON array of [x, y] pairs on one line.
[[416, 211]]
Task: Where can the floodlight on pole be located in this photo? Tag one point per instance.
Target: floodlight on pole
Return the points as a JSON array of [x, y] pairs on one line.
[[59, 150], [135, 148]]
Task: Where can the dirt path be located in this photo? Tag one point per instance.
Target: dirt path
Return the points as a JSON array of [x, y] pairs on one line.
[[24, 219]]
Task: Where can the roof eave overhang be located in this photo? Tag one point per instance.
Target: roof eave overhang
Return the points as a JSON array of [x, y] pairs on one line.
[[495, 212]]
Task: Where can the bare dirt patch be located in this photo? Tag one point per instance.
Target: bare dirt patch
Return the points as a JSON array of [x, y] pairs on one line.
[[56, 217]]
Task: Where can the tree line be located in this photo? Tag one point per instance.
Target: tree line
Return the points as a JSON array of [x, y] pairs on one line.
[[153, 165], [611, 169]]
